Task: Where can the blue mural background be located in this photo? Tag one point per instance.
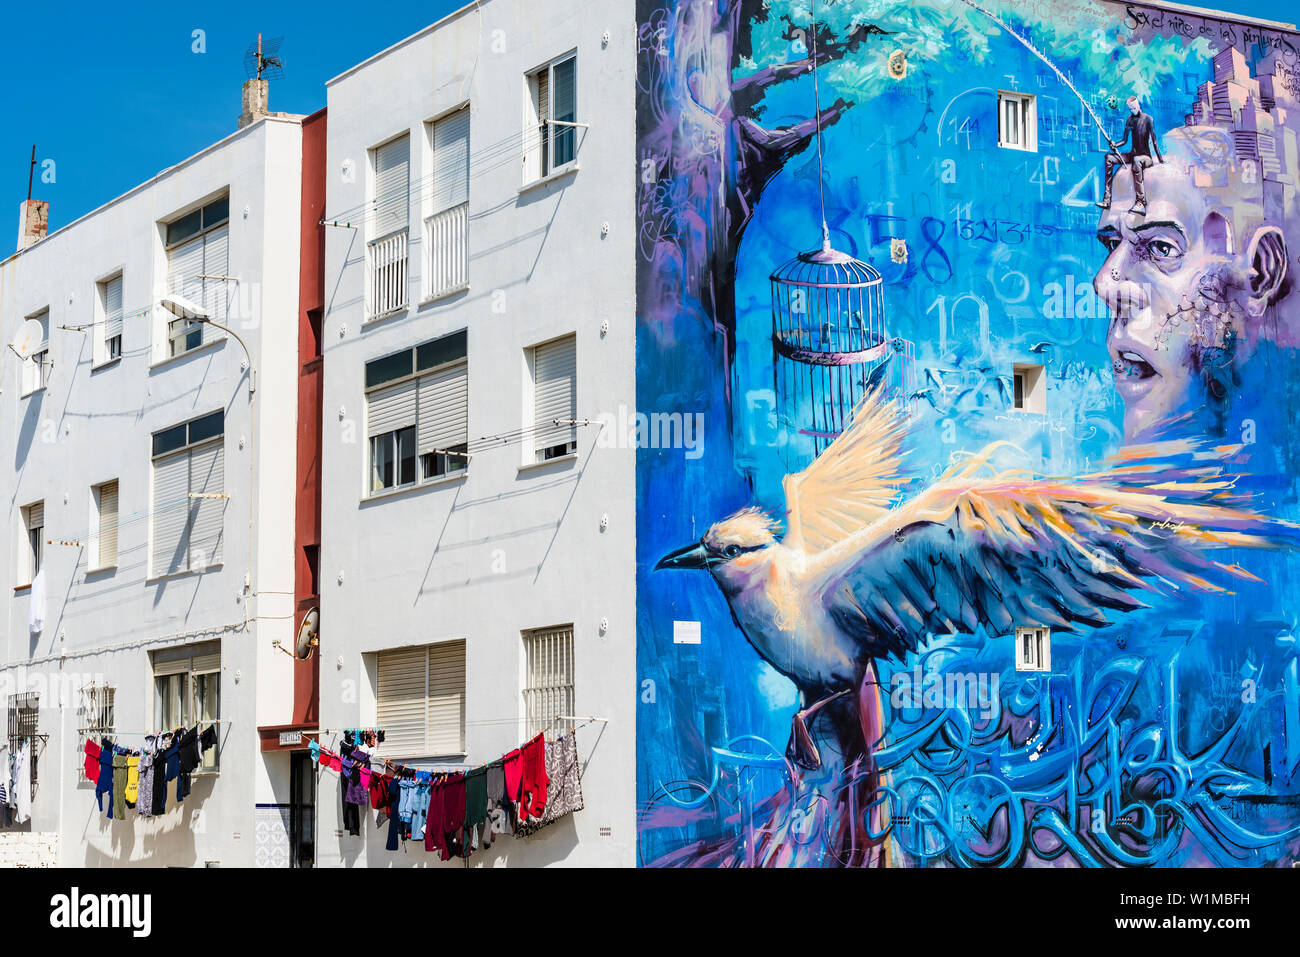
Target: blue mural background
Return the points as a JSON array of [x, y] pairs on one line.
[[1146, 721]]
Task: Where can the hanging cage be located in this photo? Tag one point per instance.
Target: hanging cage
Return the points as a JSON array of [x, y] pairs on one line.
[[830, 343]]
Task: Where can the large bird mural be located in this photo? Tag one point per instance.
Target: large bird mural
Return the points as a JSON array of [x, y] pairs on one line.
[[858, 576]]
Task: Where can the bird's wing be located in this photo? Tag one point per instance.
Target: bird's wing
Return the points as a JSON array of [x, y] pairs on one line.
[[1017, 550], [848, 486]]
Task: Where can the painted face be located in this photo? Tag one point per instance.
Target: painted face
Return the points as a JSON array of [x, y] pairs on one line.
[[1177, 297], [1134, 107]]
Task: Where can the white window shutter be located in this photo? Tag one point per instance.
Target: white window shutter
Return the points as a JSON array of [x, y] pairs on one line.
[[444, 408], [401, 695], [447, 698], [35, 515], [216, 262], [113, 308], [391, 408], [555, 389], [184, 266], [392, 200], [207, 476], [451, 161], [107, 552], [171, 513]]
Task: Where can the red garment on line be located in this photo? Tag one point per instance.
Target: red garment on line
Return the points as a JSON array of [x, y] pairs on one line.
[[92, 761], [532, 800], [514, 768]]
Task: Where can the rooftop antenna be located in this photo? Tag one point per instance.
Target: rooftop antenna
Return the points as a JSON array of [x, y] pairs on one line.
[[30, 173], [262, 59]]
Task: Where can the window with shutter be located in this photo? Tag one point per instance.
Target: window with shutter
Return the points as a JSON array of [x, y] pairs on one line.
[[104, 545], [187, 691], [189, 501], [184, 266], [109, 341], [34, 521], [207, 478], [216, 262], [550, 133], [171, 513], [392, 197], [444, 421], [198, 244], [446, 228], [402, 689], [555, 390], [446, 701]]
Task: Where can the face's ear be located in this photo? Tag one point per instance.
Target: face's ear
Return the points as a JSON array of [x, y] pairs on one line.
[[1267, 255]]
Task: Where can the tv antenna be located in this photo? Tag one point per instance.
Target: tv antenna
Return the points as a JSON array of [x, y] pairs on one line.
[[262, 60]]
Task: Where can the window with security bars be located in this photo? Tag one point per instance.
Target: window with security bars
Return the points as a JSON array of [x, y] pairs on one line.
[[390, 209], [447, 224], [548, 678], [96, 718], [555, 398], [24, 719], [420, 698]]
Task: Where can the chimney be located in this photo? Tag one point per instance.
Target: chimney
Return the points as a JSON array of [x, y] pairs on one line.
[[33, 222], [257, 99]]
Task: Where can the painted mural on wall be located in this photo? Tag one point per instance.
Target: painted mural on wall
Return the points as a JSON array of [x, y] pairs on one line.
[[985, 556]]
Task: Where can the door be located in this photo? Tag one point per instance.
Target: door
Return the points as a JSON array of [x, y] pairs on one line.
[[302, 810]]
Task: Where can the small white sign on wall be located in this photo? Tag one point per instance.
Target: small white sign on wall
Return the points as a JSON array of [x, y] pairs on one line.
[[686, 632]]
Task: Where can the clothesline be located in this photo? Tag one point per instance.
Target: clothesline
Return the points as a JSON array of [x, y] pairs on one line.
[[114, 732]]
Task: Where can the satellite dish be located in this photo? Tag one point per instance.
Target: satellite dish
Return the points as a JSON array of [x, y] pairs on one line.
[[29, 338], [308, 635]]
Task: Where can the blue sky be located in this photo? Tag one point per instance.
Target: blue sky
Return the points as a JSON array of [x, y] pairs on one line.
[[113, 93]]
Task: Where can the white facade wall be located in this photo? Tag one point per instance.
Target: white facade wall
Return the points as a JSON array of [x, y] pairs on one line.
[[90, 425], [508, 547]]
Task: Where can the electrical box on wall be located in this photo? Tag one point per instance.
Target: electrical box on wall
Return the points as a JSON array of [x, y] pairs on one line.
[[1033, 648]]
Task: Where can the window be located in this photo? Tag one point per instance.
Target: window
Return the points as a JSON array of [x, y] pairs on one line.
[[108, 305], [34, 524], [36, 367], [103, 525], [553, 366], [97, 712], [187, 690], [24, 724], [1017, 121], [421, 699], [1029, 388], [417, 413], [390, 205], [189, 500], [551, 130], [548, 677], [1033, 648], [446, 228], [198, 248]]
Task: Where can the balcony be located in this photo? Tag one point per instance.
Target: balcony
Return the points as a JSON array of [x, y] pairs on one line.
[[386, 262], [446, 236]]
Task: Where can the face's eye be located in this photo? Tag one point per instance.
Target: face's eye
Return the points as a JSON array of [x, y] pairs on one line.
[[1162, 249], [731, 551]]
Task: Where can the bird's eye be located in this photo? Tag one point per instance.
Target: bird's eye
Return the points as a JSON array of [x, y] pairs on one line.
[[731, 551]]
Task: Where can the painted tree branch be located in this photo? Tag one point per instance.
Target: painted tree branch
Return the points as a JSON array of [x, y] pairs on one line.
[[765, 152], [748, 91]]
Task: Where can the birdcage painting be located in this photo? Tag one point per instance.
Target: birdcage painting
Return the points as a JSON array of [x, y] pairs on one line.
[[831, 345]]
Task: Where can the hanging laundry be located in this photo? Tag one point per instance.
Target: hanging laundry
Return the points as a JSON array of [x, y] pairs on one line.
[[21, 791], [132, 780], [145, 799], [475, 807], [91, 765], [119, 785], [420, 805], [166, 767], [564, 788], [104, 783], [532, 787], [394, 820], [497, 813]]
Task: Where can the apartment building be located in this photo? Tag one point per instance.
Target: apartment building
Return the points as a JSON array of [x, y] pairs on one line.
[[153, 461], [476, 570]]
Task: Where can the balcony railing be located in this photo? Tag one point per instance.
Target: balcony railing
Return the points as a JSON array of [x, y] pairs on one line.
[[446, 234], [387, 259]]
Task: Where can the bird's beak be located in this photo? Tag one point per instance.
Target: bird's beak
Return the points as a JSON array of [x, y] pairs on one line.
[[692, 556]]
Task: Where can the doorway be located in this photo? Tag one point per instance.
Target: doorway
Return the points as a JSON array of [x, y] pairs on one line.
[[302, 810]]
